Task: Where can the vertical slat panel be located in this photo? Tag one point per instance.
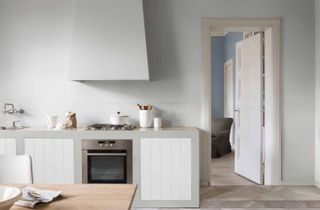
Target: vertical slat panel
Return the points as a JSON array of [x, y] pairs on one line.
[[8, 146], [156, 156], [58, 162], [3, 147], [166, 169], [48, 157], [185, 180], [145, 169], [175, 168], [53, 160], [39, 165], [11, 147], [68, 160], [29, 150]]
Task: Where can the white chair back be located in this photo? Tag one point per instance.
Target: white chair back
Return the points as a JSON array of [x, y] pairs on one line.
[[16, 169]]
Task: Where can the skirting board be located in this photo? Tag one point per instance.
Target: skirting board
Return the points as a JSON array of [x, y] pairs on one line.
[[317, 184]]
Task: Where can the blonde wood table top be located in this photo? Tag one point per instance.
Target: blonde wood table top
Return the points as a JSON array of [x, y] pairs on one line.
[[89, 197]]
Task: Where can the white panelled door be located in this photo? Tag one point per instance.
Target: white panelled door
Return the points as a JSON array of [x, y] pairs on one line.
[[249, 119]]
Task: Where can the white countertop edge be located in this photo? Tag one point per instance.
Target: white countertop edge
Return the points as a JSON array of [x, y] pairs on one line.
[[165, 129]]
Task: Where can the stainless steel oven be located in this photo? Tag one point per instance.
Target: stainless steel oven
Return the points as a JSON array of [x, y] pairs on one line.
[[106, 161]]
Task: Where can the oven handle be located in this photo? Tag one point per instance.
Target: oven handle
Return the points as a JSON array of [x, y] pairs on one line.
[[106, 154]]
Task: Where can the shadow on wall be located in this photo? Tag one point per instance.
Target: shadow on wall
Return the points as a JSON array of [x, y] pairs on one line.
[[164, 62]]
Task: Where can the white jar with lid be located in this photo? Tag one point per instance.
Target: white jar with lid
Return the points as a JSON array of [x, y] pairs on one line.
[[157, 122]]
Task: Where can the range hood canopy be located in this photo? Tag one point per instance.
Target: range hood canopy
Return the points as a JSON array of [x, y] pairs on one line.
[[108, 41]]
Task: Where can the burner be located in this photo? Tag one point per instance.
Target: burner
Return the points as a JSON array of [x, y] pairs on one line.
[[110, 127]]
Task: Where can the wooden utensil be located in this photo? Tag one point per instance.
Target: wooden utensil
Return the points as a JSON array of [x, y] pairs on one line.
[[145, 107]]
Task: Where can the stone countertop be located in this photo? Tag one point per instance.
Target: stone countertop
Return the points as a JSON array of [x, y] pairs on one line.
[[42, 129], [82, 133]]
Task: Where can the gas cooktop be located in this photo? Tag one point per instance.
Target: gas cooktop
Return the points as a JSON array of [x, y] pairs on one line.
[[110, 127]]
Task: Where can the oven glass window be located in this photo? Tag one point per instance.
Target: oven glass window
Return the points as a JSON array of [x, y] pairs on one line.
[[107, 169]]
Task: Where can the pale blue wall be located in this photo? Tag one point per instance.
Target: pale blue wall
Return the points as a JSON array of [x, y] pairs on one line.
[[217, 56], [223, 48], [230, 44]]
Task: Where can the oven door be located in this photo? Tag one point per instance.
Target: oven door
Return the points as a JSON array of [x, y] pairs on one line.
[[106, 166]]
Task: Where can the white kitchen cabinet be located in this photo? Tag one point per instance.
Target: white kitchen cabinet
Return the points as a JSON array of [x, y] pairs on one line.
[[52, 160], [108, 41], [8, 146], [166, 169]]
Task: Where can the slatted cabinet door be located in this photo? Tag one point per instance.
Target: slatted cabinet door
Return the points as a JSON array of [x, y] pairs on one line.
[[166, 169], [8, 146], [52, 160]]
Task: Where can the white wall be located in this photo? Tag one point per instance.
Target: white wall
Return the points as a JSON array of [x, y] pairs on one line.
[[317, 93], [34, 46]]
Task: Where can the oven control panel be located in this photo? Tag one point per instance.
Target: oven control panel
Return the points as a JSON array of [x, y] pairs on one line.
[[106, 144]]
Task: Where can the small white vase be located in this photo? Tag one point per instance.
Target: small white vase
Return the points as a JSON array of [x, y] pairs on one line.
[[52, 121], [145, 118]]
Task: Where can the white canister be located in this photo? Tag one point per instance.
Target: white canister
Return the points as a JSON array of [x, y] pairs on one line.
[[157, 122], [52, 121], [145, 118]]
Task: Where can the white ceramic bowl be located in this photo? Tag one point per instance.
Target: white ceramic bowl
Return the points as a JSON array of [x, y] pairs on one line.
[[8, 195]]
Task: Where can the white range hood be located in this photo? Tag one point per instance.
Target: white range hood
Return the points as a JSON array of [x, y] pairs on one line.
[[108, 41]]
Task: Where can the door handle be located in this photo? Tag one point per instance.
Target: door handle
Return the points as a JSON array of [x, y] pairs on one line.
[[238, 117]]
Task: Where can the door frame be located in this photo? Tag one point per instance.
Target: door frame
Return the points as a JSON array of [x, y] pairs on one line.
[[273, 143]]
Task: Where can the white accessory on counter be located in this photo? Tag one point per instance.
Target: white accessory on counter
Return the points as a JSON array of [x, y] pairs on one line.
[[119, 119], [157, 122], [33, 197], [145, 118], [52, 121]]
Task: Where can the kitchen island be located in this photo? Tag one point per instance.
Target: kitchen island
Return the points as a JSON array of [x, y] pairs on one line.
[[165, 162], [93, 197]]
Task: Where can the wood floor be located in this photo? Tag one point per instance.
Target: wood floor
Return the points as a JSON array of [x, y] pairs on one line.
[[222, 172], [230, 191], [256, 197]]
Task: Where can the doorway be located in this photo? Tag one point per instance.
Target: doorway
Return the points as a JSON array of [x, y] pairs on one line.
[[268, 167], [225, 164]]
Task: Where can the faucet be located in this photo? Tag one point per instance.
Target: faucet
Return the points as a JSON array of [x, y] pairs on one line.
[[14, 123], [9, 109]]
